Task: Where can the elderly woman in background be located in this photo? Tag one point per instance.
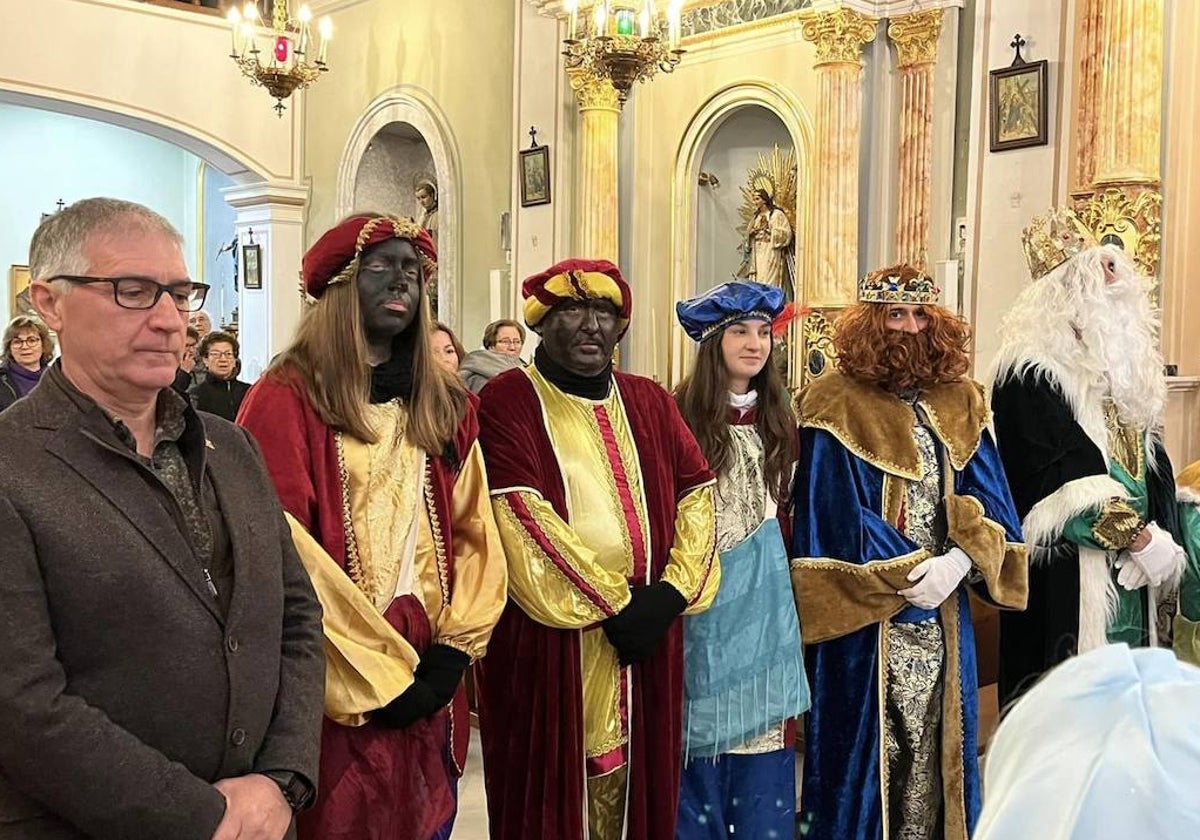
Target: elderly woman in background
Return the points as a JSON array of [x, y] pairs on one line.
[[28, 348], [447, 349], [503, 341]]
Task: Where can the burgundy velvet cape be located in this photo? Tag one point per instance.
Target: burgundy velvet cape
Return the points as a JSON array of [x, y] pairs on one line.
[[301, 455], [530, 686]]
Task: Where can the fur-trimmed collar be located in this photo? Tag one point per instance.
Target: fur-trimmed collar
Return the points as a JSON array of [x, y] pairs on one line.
[[877, 426]]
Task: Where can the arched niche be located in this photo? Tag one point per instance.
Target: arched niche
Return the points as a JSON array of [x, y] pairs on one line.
[[764, 105], [393, 133], [733, 148]]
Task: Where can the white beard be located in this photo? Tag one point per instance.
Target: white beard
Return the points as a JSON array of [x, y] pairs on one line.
[[1095, 340]]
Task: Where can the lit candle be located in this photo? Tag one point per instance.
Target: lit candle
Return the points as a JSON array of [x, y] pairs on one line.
[[601, 18], [572, 19], [305, 20], [235, 23], [250, 11], [247, 36], [326, 29]]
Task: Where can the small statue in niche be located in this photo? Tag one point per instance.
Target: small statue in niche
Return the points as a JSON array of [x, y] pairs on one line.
[[769, 200], [427, 196]]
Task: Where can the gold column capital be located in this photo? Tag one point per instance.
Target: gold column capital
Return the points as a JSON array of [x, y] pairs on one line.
[[592, 92], [839, 35], [915, 36]]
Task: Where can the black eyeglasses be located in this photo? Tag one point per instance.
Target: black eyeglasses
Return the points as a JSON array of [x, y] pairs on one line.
[[143, 293]]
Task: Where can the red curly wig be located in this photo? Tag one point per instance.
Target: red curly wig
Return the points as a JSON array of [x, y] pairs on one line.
[[869, 351]]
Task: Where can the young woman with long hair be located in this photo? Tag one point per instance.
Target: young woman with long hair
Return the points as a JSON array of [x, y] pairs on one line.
[[744, 678], [372, 447]]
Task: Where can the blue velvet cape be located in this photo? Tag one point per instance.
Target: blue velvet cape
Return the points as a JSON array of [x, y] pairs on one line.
[[850, 556]]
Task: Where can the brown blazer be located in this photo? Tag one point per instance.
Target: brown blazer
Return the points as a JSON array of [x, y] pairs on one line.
[[124, 692]]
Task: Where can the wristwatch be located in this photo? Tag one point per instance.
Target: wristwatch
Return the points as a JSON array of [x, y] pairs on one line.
[[296, 790]]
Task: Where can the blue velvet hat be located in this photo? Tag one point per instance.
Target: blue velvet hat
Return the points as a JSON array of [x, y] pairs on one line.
[[705, 316]]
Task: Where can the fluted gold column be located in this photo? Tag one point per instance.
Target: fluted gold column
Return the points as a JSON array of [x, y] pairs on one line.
[[915, 36], [599, 209], [1129, 114], [831, 277]]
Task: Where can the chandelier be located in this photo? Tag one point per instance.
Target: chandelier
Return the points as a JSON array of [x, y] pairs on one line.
[[289, 49], [621, 44]]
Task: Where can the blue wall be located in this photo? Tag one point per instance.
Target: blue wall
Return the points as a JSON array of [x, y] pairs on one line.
[[46, 156]]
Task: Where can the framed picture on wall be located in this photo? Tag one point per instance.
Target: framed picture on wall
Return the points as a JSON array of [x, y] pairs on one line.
[[252, 266], [18, 292], [535, 176], [1019, 105]]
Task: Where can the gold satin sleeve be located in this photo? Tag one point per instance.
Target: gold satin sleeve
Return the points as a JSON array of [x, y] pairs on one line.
[[367, 662], [556, 579], [694, 568], [480, 571]]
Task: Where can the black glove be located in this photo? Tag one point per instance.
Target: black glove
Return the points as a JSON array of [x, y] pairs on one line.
[[418, 701], [442, 668], [636, 630]]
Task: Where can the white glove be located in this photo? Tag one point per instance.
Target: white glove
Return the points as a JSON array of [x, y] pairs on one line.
[[937, 578], [1155, 564]]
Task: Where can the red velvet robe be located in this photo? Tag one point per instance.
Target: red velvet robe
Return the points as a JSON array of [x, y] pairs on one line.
[[413, 770], [530, 686]]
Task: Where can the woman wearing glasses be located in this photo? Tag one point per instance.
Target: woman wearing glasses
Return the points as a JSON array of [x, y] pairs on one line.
[[28, 349], [503, 341], [221, 392]]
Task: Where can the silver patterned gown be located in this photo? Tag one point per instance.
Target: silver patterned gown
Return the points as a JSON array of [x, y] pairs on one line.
[[916, 654]]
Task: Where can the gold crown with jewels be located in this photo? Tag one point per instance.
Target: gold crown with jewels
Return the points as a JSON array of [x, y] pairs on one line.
[[898, 284], [1052, 239]]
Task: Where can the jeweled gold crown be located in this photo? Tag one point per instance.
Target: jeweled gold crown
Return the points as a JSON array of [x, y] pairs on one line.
[[1054, 238], [898, 284]]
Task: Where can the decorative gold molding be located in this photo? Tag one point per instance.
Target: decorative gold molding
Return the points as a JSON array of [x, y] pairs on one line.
[[916, 37], [839, 36], [592, 92], [1130, 214]]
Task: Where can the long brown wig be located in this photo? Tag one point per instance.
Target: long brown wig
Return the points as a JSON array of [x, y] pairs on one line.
[[329, 355], [869, 351], [703, 398]]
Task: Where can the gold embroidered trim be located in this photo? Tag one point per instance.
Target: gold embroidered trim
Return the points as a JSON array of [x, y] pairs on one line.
[[353, 561], [439, 545], [533, 549], [871, 567], [1116, 525], [1125, 443]]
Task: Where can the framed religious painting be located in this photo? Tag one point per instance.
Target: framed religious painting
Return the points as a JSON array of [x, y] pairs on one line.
[[535, 176], [252, 266], [18, 292], [1019, 105]]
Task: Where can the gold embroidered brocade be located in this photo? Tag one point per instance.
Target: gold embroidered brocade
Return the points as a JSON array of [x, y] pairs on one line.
[[1126, 444]]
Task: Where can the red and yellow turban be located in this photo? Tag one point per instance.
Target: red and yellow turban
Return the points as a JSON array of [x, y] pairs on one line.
[[335, 257], [576, 280]]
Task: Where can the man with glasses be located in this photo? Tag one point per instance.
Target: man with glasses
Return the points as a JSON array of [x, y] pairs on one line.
[[142, 694], [221, 393], [502, 344]]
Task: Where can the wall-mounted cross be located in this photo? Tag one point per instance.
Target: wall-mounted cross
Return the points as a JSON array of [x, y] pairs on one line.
[[1016, 43], [533, 137]]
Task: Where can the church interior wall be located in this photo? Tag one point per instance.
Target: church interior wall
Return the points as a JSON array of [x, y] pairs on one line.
[[460, 53], [46, 156], [1006, 189], [210, 109]]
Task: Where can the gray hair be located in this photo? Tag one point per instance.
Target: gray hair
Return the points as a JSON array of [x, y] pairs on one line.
[[58, 243]]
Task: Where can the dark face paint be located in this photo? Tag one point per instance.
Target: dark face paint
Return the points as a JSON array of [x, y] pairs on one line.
[[389, 288], [581, 335]]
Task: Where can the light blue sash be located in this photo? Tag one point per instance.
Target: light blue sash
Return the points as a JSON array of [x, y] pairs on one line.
[[743, 669]]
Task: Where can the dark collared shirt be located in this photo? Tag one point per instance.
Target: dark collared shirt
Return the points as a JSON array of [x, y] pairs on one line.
[[175, 471]]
